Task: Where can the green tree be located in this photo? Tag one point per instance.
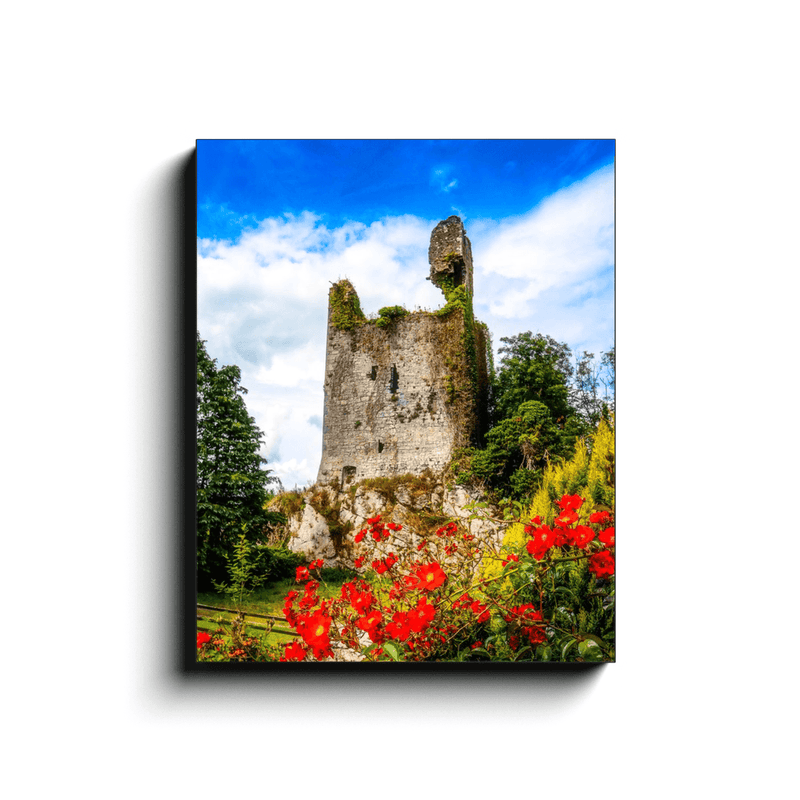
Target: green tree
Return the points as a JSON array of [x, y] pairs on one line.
[[517, 449], [535, 422], [533, 367], [231, 481]]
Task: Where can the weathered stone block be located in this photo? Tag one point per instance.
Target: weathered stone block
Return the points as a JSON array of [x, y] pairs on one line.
[[313, 538]]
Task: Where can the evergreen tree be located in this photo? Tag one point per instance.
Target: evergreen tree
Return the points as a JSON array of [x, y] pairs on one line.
[[518, 448], [231, 481]]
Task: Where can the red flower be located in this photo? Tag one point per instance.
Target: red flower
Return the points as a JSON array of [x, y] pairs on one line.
[[309, 597], [511, 557], [600, 517], [360, 536], [602, 564], [420, 617], [316, 564], [524, 612], [302, 574], [361, 601], [370, 624], [399, 627], [481, 610], [294, 651], [430, 576], [379, 566], [288, 611], [535, 635], [202, 638], [543, 540], [359, 562], [374, 520], [411, 581], [570, 502], [564, 537], [566, 518], [527, 617], [582, 536], [476, 644], [391, 560], [607, 537], [314, 630]]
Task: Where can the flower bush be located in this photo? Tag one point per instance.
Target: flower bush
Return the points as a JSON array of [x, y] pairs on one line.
[[551, 599]]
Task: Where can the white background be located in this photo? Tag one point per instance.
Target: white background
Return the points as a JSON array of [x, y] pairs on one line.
[[102, 104]]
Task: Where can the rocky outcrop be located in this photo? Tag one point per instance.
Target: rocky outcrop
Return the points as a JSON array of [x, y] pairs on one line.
[[311, 536], [326, 525]]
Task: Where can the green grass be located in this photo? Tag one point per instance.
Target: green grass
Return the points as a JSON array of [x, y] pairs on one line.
[[265, 600], [211, 625]]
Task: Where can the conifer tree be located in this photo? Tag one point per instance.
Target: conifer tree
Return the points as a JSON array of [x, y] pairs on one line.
[[231, 481]]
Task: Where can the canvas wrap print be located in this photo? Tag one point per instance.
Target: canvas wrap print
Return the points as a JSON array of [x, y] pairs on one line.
[[421, 466]]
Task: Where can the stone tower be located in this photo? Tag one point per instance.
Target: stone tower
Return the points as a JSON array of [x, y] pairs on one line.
[[450, 254], [404, 391]]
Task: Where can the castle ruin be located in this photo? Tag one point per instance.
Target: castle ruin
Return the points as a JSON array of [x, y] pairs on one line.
[[404, 391]]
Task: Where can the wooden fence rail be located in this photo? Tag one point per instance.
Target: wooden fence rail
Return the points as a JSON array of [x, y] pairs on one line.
[[283, 631]]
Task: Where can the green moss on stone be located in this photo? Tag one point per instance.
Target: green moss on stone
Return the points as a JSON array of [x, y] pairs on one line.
[[346, 312], [389, 314]]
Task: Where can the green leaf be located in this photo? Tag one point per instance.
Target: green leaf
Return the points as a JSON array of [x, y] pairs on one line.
[[590, 650], [595, 639], [392, 650], [523, 651], [543, 652], [566, 648]]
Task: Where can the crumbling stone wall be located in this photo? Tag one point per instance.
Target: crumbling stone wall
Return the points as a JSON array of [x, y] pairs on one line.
[[398, 395]]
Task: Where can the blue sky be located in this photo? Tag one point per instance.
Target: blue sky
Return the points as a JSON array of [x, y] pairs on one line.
[[280, 220]]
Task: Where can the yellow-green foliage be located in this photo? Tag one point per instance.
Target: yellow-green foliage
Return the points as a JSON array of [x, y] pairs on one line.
[[588, 474]]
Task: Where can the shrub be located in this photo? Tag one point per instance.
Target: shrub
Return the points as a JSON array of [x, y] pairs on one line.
[[389, 314], [517, 451], [276, 563], [589, 473]]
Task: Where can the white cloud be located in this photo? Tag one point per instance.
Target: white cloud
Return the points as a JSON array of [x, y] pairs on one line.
[[440, 179], [551, 270], [567, 237]]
